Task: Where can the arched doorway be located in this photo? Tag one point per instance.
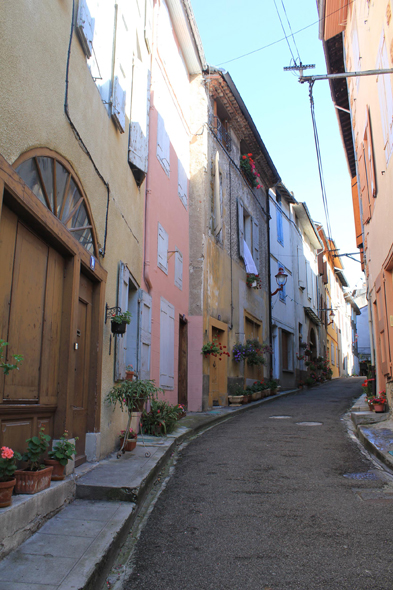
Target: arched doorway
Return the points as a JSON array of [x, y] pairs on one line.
[[49, 301]]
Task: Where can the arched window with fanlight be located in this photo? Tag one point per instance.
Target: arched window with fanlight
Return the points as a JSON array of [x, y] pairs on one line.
[[51, 178]]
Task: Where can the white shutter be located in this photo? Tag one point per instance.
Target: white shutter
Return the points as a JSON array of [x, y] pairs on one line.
[[163, 145], [140, 107], [149, 24], [85, 27], [182, 183], [123, 65], [122, 302], [179, 269], [167, 345], [162, 250], [144, 336], [301, 267], [100, 62], [385, 99], [240, 222], [255, 242]]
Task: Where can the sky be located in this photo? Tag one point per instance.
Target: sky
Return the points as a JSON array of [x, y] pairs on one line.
[[280, 105]]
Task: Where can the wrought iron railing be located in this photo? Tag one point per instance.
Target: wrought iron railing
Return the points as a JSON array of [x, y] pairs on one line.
[[220, 131]]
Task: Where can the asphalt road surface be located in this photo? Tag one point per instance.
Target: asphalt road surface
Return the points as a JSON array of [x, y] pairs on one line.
[[262, 502]]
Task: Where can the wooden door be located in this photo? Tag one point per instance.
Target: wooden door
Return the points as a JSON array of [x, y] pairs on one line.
[[252, 331], [182, 393], [82, 356], [31, 300], [218, 372]]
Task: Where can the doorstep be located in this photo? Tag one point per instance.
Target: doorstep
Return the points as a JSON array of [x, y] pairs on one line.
[[28, 513]]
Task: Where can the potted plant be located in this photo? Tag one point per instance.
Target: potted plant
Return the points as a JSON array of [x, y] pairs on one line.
[[379, 402], [119, 322], [161, 418], [36, 477], [215, 349], [236, 397], [128, 440], [8, 459], [253, 281], [63, 450], [238, 352], [129, 373], [273, 386], [300, 384]]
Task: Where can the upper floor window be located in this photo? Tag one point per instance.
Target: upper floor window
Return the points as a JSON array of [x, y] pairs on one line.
[[219, 122], [280, 230]]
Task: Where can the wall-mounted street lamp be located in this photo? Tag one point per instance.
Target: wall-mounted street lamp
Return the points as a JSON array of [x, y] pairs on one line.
[[281, 280], [331, 315]]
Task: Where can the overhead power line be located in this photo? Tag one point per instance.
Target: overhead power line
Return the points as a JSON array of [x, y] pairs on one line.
[[284, 38]]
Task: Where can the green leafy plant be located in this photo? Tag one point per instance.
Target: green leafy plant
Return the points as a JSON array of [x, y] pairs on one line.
[[272, 384], [309, 381], [8, 459], [121, 318], [7, 367], [36, 448], [238, 390], [63, 450], [130, 395], [131, 434], [214, 348], [254, 352], [161, 417]]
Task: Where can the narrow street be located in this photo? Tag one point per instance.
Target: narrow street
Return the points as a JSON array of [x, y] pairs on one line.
[[264, 502]]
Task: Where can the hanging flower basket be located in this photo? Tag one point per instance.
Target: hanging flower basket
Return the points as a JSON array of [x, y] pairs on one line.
[[119, 322], [253, 281]]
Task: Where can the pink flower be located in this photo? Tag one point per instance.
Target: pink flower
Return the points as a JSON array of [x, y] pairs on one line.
[[158, 411], [6, 453]]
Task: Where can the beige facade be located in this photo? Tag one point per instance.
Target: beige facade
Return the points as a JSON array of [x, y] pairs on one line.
[[49, 99]]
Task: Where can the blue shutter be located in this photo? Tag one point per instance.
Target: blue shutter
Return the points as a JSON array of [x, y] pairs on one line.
[[280, 234]]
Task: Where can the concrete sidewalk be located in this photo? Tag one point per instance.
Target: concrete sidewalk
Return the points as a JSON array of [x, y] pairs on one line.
[[75, 549], [375, 431]]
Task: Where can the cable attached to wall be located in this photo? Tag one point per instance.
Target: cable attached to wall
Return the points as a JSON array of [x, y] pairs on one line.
[[102, 250]]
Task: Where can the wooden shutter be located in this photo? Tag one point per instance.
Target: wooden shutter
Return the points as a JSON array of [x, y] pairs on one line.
[[382, 325], [144, 351], [140, 109], [162, 251], [356, 212], [149, 24], [363, 188], [369, 155], [122, 302], [182, 183], [320, 263], [385, 99], [179, 269], [167, 345], [255, 242], [121, 96], [240, 223]]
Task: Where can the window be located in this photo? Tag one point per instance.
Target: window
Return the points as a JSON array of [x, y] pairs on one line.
[[162, 249], [217, 197], [139, 128], [283, 290], [182, 183], [248, 233], [280, 232], [52, 180], [167, 345]]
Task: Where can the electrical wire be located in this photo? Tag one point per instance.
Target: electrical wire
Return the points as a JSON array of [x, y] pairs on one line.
[[290, 28], [282, 26], [284, 38], [319, 160]]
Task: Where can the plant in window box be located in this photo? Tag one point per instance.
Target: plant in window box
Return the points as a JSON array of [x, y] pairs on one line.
[[119, 322], [8, 459], [247, 166], [253, 281], [62, 452], [36, 477]]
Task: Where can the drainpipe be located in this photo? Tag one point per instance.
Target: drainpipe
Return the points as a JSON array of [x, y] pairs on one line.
[[269, 284], [146, 265]]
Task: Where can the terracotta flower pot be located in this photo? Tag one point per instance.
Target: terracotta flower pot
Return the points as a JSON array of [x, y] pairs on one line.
[[379, 407], [31, 482], [6, 488], [129, 375], [58, 469], [130, 444]]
